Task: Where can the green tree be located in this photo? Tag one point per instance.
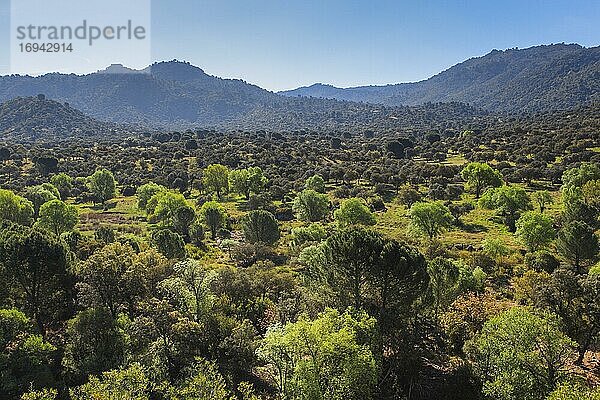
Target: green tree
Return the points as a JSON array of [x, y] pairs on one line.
[[508, 201], [239, 182], [58, 217], [145, 192], [131, 384], [94, 343], [316, 183], [44, 394], [25, 357], [520, 355], [480, 176], [542, 199], [591, 194], [39, 195], [328, 358], [535, 230], [260, 226], [216, 179], [574, 391], [354, 212], [64, 184], [575, 178], [246, 181], [103, 186], [189, 285], [577, 243], [214, 217], [496, 249], [116, 277], [352, 252], [168, 243], [168, 209], [15, 208], [311, 206], [575, 299], [430, 218], [34, 264]]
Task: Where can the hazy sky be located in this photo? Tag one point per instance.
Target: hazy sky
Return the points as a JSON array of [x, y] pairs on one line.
[[281, 44]]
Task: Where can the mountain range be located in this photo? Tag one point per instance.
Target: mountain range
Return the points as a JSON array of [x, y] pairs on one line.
[[540, 78], [178, 95]]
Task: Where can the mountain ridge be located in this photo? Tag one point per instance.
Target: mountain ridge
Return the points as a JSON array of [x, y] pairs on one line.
[[538, 78]]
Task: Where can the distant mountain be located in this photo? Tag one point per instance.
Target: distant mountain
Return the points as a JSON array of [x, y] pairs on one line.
[[168, 93], [179, 95], [35, 118], [539, 78]]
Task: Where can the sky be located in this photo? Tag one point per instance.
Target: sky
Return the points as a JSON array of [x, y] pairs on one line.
[[283, 44]]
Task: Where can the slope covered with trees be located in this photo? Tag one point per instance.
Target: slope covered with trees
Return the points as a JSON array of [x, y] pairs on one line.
[[541, 78], [37, 118]]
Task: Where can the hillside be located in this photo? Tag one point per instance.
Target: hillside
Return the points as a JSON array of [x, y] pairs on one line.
[[34, 118], [178, 95], [539, 78]]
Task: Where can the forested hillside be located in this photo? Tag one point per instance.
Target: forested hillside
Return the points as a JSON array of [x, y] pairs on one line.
[[37, 118], [541, 78]]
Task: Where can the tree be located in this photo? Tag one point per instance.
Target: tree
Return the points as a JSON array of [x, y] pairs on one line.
[[146, 192], [316, 183], [351, 253], [25, 357], [239, 182], [396, 281], [39, 195], [508, 201], [575, 178], [189, 285], [520, 355], [574, 391], [102, 185], [216, 179], [430, 218], [58, 217], [44, 394], [496, 249], [535, 230], [576, 300], [34, 264], [311, 206], [64, 184], [15, 208], [169, 244], [354, 212], [131, 384], [328, 358], [256, 180], [94, 344], [479, 176], [578, 243], [171, 209], [408, 195], [116, 277], [214, 217], [260, 227], [246, 181], [542, 199]]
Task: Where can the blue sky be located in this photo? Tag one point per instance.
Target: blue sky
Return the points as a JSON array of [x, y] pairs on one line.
[[281, 44]]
